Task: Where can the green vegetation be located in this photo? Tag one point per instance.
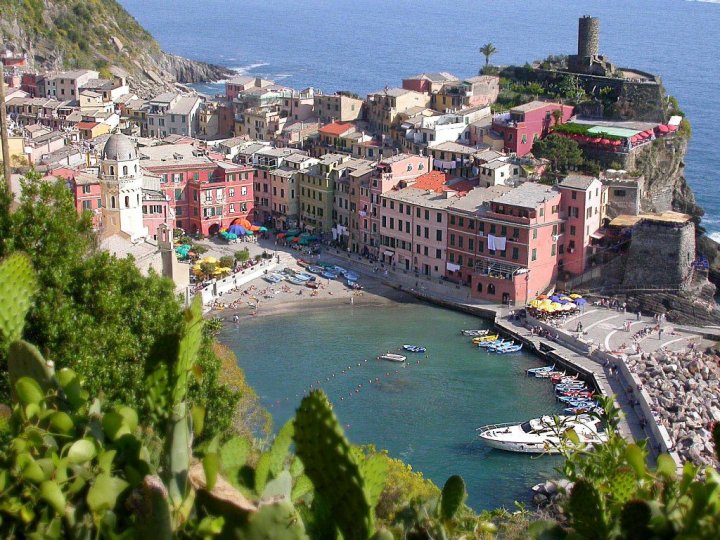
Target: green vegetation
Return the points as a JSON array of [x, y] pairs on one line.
[[584, 129], [487, 51], [242, 255], [616, 495], [564, 154], [80, 31], [98, 315]]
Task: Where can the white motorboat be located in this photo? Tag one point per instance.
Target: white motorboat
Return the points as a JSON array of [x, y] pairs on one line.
[[541, 435], [392, 357]]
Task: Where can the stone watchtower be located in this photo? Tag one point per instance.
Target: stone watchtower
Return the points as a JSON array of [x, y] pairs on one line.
[[121, 183], [588, 36], [588, 60]]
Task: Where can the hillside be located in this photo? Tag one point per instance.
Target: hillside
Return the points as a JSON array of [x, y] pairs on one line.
[[95, 34]]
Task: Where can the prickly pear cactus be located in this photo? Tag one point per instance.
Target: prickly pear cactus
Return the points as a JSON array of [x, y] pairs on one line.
[[635, 519], [25, 360], [716, 439], [321, 445], [585, 506], [623, 485], [17, 286], [374, 472], [277, 521], [452, 497]]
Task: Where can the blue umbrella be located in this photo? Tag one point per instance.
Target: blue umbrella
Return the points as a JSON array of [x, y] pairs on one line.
[[580, 301], [555, 298], [563, 302]]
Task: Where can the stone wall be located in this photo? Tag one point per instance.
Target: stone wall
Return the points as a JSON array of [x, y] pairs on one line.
[[637, 99], [660, 256]]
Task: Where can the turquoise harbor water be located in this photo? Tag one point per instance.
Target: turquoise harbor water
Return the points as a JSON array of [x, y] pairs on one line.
[[364, 45], [424, 413]]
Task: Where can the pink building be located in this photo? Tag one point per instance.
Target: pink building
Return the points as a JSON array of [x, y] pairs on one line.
[[525, 124], [582, 206], [515, 249], [393, 171], [413, 226]]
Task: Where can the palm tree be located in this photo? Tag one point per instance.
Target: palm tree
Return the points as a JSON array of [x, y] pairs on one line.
[[488, 50]]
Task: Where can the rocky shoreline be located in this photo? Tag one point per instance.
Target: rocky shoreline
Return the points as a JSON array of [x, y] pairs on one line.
[[683, 388]]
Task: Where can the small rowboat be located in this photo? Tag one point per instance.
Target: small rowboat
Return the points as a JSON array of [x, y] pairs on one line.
[[511, 349], [543, 369], [488, 344], [485, 338], [474, 333], [414, 348], [391, 357], [329, 275]]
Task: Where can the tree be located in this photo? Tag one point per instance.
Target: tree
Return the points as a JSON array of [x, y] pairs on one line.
[[227, 261], [243, 255], [487, 51], [563, 153], [97, 315], [570, 88]]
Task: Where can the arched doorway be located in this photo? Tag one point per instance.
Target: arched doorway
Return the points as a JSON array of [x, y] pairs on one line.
[[491, 289], [214, 228]]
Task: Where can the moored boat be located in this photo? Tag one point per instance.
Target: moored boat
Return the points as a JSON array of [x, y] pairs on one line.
[[295, 281], [485, 338], [487, 344], [315, 269], [328, 274], [392, 357], [474, 333], [415, 348], [544, 369], [510, 349], [541, 435]]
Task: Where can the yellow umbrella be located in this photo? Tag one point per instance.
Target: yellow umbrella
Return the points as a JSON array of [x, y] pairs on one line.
[[534, 303], [575, 296], [210, 260], [556, 305], [566, 298]]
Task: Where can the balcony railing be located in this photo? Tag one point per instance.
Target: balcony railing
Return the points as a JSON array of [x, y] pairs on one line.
[[498, 269]]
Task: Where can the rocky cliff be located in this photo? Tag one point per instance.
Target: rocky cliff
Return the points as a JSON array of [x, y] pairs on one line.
[[95, 34]]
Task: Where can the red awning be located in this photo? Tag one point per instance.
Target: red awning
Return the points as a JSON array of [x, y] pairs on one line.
[[662, 128], [604, 141]]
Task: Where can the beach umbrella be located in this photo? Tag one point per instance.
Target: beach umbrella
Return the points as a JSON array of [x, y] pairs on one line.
[[554, 298], [556, 305], [605, 141], [616, 142], [210, 260], [662, 128], [565, 298], [534, 303], [542, 297], [575, 296], [263, 229], [562, 301], [580, 301]]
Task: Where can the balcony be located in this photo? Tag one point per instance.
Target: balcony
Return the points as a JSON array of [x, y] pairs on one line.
[[498, 269]]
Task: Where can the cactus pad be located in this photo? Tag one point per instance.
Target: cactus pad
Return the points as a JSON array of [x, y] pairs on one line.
[[635, 520], [586, 508], [25, 360], [277, 521], [452, 497], [321, 445], [17, 286], [623, 485]]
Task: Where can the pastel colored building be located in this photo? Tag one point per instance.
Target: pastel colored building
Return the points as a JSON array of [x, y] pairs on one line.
[[337, 107], [428, 83], [514, 250], [204, 195], [413, 225], [390, 172], [525, 124], [383, 107], [583, 199]]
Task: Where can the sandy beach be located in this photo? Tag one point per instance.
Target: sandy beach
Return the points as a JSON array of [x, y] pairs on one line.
[[259, 298]]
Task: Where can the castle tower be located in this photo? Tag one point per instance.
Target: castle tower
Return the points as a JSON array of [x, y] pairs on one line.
[[588, 36], [121, 184]]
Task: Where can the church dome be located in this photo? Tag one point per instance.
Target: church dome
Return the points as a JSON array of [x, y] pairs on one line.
[[119, 148]]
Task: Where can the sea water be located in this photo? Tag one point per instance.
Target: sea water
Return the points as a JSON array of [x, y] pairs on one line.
[[426, 412], [364, 45]]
